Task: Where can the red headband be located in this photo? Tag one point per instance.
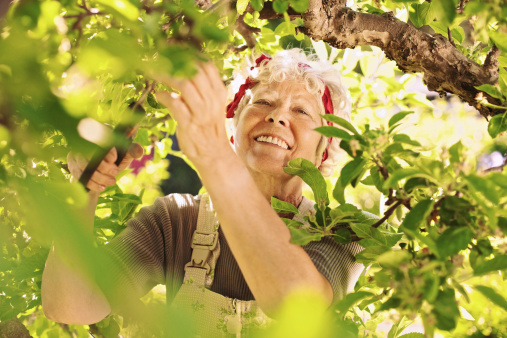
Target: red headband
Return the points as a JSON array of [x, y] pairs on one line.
[[231, 107]]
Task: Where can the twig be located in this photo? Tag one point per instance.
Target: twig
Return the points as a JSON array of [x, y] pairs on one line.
[[246, 31], [491, 62], [147, 90], [449, 36], [498, 168]]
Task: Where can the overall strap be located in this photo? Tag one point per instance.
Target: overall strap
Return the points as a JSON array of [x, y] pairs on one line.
[[305, 208], [205, 246]]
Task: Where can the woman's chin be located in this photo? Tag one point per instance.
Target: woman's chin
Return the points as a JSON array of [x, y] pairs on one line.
[[267, 165]]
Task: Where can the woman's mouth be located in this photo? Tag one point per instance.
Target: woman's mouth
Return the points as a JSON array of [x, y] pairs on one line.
[[273, 140]]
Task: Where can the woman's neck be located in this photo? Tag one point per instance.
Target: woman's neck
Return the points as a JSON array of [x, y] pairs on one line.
[[288, 189]]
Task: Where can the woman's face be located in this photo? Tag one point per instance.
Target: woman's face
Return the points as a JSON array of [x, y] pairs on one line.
[[277, 125]]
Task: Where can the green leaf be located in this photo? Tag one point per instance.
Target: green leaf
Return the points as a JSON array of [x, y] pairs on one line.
[[392, 259], [299, 6], [311, 176], [404, 138], [400, 174], [339, 192], [497, 263], [412, 335], [417, 215], [485, 187], [497, 125], [492, 295], [257, 5], [241, 6], [282, 206], [341, 122], [502, 80], [330, 131], [351, 170], [422, 14], [500, 40], [123, 7], [350, 300], [370, 254], [491, 90], [281, 6], [453, 240], [445, 11], [302, 236], [342, 236], [392, 302], [456, 152], [446, 310], [398, 117]]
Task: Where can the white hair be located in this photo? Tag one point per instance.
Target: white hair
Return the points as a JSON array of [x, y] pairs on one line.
[[292, 64]]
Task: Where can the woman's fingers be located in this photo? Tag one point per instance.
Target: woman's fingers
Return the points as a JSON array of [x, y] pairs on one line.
[[135, 151]]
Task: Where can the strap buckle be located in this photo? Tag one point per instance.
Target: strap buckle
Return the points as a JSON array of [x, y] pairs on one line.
[[203, 244]]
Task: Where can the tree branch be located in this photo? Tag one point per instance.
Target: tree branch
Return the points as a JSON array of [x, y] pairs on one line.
[[445, 69]]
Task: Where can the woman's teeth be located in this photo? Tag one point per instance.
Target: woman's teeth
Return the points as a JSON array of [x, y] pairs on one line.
[[273, 140]]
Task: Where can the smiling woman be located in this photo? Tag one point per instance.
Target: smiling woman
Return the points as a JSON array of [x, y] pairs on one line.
[[226, 256]]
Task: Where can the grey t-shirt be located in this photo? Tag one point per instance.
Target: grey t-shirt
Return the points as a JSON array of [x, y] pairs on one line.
[[156, 245]]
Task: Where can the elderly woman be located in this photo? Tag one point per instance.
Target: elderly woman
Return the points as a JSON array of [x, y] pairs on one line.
[[227, 249]]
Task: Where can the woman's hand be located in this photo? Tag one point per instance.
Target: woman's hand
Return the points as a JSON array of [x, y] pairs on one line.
[[200, 112], [105, 175]]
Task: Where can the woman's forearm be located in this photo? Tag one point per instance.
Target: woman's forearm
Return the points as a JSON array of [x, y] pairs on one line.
[[258, 238], [68, 294]]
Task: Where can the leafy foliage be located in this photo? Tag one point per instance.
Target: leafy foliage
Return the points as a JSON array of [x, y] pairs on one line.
[[437, 251]]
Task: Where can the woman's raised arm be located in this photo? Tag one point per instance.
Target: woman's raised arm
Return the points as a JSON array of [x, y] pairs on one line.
[[68, 294]]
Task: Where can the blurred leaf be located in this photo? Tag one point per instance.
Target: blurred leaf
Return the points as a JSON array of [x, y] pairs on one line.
[[422, 14], [342, 236], [496, 263], [497, 125], [350, 300], [281, 6], [485, 187], [445, 11], [241, 6], [417, 215], [122, 7], [455, 152], [500, 40], [492, 295], [257, 5], [392, 259], [404, 138], [446, 310], [502, 80], [370, 254], [400, 174], [299, 6], [351, 170], [282, 206], [453, 240], [398, 117], [491, 90]]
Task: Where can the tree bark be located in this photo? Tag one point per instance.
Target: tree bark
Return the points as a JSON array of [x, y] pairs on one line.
[[13, 328], [445, 69]]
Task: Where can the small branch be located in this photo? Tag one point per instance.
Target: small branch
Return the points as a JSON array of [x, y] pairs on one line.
[[246, 31], [147, 89], [498, 168], [449, 36], [387, 214], [491, 62]]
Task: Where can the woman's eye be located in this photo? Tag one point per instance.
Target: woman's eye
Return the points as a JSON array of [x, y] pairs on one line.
[[264, 102], [301, 111]]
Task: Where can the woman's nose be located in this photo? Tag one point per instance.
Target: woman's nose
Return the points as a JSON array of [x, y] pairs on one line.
[[278, 115]]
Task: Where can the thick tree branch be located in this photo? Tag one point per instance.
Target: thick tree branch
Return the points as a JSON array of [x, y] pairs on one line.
[[445, 69]]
